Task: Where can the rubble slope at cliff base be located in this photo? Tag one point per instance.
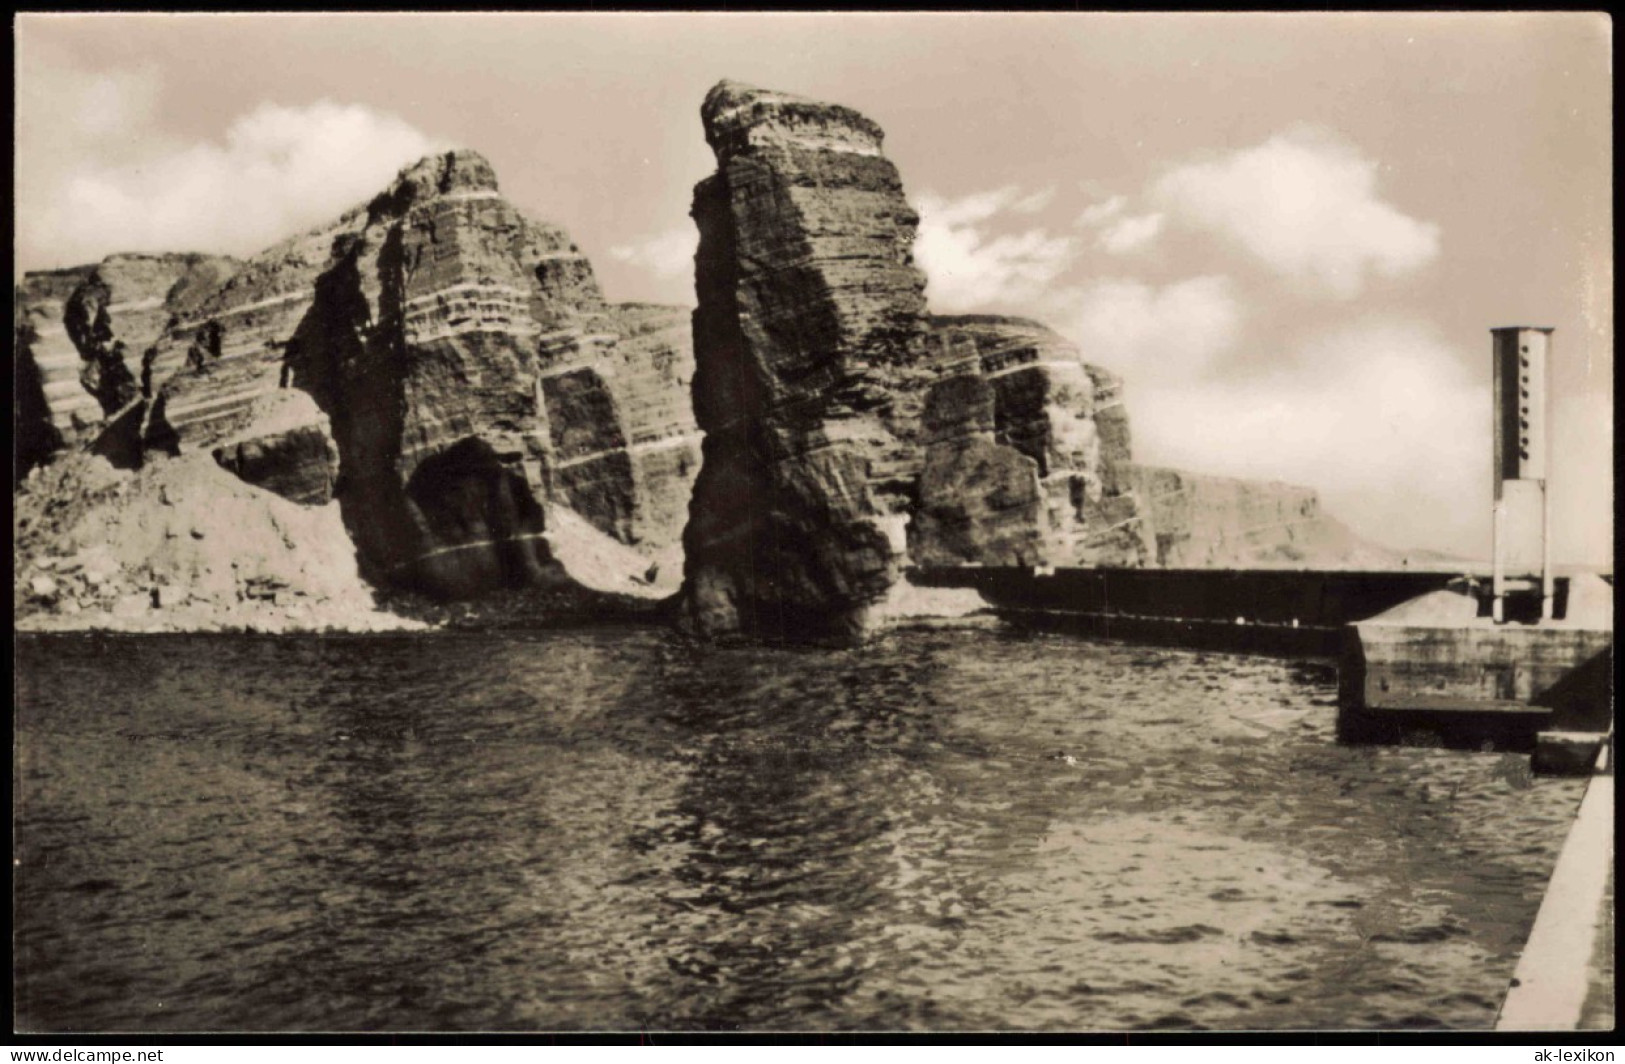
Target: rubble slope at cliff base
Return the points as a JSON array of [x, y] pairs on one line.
[[181, 545]]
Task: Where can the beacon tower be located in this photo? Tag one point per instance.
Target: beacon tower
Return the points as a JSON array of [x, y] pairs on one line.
[[1522, 523]]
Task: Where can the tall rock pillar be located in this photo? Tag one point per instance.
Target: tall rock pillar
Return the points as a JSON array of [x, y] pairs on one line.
[[809, 339]]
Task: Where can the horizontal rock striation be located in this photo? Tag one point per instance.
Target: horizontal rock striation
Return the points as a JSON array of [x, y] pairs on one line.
[[50, 405], [1026, 456], [624, 446], [46, 390], [981, 502], [223, 362], [475, 377], [287, 448], [81, 335], [443, 366], [810, 371], [116, 317], [122, 309]]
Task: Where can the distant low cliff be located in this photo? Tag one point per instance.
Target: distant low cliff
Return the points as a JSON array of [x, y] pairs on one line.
[[1208, 522]]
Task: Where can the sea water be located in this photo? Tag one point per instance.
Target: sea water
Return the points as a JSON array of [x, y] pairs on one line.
[[615, 828]]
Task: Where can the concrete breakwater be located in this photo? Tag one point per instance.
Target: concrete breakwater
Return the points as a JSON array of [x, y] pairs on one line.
[[1442, 658], [1279, 611]]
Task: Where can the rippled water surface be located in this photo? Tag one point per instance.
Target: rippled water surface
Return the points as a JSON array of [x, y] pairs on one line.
[[613, 828]]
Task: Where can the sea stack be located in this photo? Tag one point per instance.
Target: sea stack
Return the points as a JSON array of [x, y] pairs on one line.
[[848, 432], [810, 349]]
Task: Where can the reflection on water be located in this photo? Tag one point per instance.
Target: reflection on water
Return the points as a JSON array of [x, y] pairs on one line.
[[619, 829]]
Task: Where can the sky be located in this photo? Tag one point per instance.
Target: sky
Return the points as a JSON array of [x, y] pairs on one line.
[[1290, 234]]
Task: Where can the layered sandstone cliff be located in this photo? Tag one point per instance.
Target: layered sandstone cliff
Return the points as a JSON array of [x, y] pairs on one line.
[[122, 309], [83, 337], [476, 378], [216, 373], [443, 378], [811, 348], [443, 367], [46, 390], [1027, 454]]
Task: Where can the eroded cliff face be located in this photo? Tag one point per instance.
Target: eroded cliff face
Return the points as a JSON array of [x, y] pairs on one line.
[[810, 336], [82, 334], [652, 373], [1026, 454], [475, 378], [443, 367], [122, 309], [46, 390], [217, 377], [287, 449]]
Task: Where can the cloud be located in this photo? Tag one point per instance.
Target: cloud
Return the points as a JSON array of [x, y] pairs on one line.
[[1102, 212], [970, 267], [667, 255], [97, 174], [280, 170], [1033, 203], [1120, 234], [1380, 417], [64, 116], [1385, 419], [1150, 334], [1304, 204], [1131, 234]]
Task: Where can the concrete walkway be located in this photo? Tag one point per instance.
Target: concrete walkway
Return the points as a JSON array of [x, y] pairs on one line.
[[1598, 1012], [1565, 976]]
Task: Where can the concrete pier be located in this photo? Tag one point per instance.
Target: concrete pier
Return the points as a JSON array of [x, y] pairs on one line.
[[1292, 612], [1443, 660], [1564, 978]]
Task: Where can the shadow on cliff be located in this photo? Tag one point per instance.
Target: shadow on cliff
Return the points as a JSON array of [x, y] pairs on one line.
[[461, 539], [36, 437]]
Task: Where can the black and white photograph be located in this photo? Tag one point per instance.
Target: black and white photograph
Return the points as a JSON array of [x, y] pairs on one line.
[[907, 523]]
